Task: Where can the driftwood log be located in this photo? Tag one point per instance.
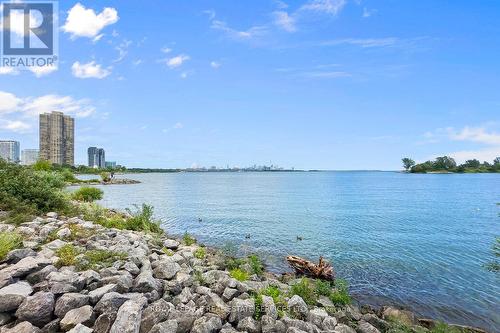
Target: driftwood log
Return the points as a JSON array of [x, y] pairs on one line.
[[322, 270]]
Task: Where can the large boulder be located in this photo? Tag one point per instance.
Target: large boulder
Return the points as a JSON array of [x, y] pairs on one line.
[[241, 308], [37, 309], [269, 307], [145, 282], [401, 316], [69, 302], [166, 270], [80, 329], [342, 328], [16, 255], [316, 316], [155, 313], [96, 294], [171, 244], [217, 306], [207, 324], [23, 327], [249, 325], [128, 319], [169, 326], [365, 327], [13, 295], [83, 315], [298, 307]]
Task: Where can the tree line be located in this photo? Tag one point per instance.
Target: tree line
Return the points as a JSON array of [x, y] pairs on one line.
[[448, 164]]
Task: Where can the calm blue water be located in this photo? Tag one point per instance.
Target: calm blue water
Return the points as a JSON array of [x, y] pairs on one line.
[[414, 240]]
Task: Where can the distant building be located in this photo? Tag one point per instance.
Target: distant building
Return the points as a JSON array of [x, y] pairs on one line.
[[9, 150], [29, 156], [97, 158], [57, 138], [111, 165]]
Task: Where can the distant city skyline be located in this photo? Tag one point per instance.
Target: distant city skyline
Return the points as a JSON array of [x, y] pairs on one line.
[[10, 150], [57, 138], [310, 84]]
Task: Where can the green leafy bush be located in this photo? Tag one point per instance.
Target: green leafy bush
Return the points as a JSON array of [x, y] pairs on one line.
[[256, 264], [67, 255], [323, 288], [69, 176], [200, 253], [105, 176], [142, 220], [340, 293], [188, 239], [305, 290], [239, 274], [88, 194], [96, 259], [9, 241]]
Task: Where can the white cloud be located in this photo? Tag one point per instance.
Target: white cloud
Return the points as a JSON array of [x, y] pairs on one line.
[[210, 13], [215, 64], [40, 71], [8, 102], [284, 21], [363, 42], [250, 33], [331, 7], [487, 155], [137, 62], [8, 71], [67, 104], [178, 126], [475, 134], [177, 61], [166, 50], [368, 12], [122, 50], [83, 22], [16, 126], [89, 70]]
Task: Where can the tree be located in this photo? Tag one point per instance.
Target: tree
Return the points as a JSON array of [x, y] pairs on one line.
[[472, 164], [496, 161], [445, 163], [408, 163]]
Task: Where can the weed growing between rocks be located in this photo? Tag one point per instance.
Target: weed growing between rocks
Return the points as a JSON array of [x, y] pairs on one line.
[[200, 253], [188, 240], [9, 241], [239, 274]]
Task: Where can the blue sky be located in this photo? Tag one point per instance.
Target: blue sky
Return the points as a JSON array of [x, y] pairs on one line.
[[324, 84]]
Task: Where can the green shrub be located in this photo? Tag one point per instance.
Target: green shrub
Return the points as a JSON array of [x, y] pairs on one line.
[[168, 252], [9, 241], [441, 327], [256, 264], [323, 288], [305, 290], [67, 255], [232, 263], [88, 194], [42, 165], [105, 176], [200, 253], [142, 220], [340, 293], [188, 239], [69, 176], [96, 259], [238, 274], [259, 308], [198, 276]]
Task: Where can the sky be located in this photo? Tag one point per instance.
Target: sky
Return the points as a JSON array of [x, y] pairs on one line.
[[310, 84]]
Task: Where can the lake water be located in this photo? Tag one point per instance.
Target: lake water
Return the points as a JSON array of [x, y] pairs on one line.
[[403, 239]]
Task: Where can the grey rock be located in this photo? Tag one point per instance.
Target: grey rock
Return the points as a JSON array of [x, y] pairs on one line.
[[52, 215], [145, 282], [250, 325], [104, 322], [241, 309], [52, 327], [5, 318], [69, 302], [329, 323], [65, 281], [301, 325], [353, 313], [13, 295], [24, 267], [55, 244], [229, 294], [90, 276], [155, 313], [380, 324], [217, 306], [269, 306], [41, 275], [23, 327], [83, 315], [169, 326], [80, 329], [171, 244], [123, 282], [365, 327], [402, 316], [268, 324], [63, 233], [207, 324], [16, 255], [110, 302], [294, 330], [298, 307], [316, 316], [131, 268], [96, 294], [128, 318], [342, 328], [185, 320], [326, 303], [184, 297], [166, 270], [37, 309]]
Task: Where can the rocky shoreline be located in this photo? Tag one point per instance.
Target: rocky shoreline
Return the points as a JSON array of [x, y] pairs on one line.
[[123, 281]]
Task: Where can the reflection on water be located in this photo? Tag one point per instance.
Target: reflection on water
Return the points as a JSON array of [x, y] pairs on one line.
[[416, 240]]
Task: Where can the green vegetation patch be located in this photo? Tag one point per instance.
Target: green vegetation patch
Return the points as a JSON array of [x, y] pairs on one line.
[[9, 241], [188, 240], [239, 274], [88, 194], [200, 253], [305, 289], [70, 255]]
